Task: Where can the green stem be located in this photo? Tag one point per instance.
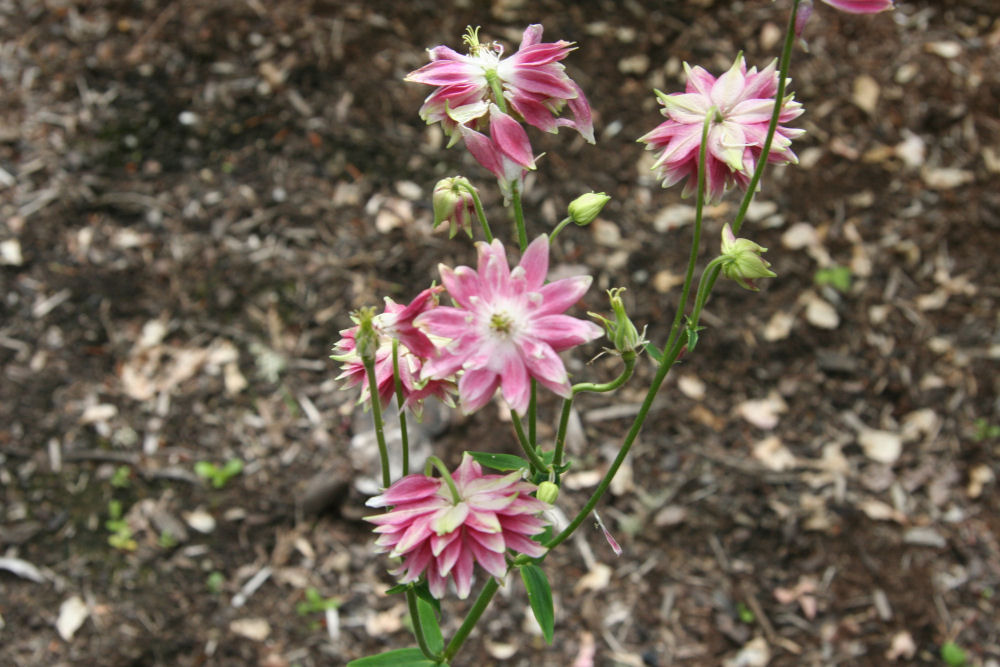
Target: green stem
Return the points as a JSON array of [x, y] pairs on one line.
[[496, 86], [629, 359], [529, 449], [399, 406], [480, 213], [482, 602], [418, 630], [559, 228], [383, 451], [779, 101], [533, 414], [675, 328], [446, 476], [515, 197]]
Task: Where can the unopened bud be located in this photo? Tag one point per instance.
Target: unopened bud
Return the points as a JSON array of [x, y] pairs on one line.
[[453, 203], [621, 331], [366, 338], [742, 261], [584, 209], [547, 492]]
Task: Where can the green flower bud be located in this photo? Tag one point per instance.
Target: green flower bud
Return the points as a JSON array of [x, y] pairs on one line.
[[453, 203], [621, 331], [547, 492], [741, 260], [366, 339], [585, 208]]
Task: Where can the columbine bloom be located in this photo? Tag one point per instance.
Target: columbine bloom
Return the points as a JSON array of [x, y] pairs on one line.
[[532, 81], [740, 103], [441, 535], [861, 6], [414, 349], [508, 326], [506, 152]]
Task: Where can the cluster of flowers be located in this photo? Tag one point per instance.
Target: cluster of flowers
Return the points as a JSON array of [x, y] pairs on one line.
[[508, 326]]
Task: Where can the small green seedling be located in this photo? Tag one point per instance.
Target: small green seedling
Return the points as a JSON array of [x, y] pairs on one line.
[[166, 540], [315, 603], [122, 477], [216, 475], [745, 614], [985, 430], [837, 277], [121, 535], [953, 655], [214, 582]]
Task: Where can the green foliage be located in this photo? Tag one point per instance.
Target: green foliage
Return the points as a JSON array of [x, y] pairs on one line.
[[501, 462], [837, 277], [121, 535], [953, 655], [404, 657], [315, 603], [214, 582], [122, 477], [540, 598], [167, 540], [985, 430], [745, 614], [429, 624], [216, 475]]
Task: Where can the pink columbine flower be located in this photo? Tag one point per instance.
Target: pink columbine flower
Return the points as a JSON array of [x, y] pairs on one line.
[[532, 81], [414, 349], [740, 103], [861, 6], [507, 328], [506, 152], [441, 536]]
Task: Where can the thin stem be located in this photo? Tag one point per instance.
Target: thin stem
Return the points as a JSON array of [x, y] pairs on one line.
[[629, 359], [383, 451], [559, 228], [482, 602], [529, 449], [779, 101], [532, 413], [418, 630], [480, 213], [446, 476], [496, 86], [399, 406], [515, 197], [675, 328]]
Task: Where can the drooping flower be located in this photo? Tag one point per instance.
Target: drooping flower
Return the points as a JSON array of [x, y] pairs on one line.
[[506, 151], [442, 531], [532, 81], [415, 347], [507, 328], [861, 6], [740, 103], [453, 203]]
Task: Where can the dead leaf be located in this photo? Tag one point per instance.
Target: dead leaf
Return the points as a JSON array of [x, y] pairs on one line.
[[597, 579], [763, 413], [866, 93], [773, 454], [72, 613], [881, 446]]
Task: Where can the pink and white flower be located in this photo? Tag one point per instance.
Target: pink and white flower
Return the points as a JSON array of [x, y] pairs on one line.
[[507, 328], [532, 81], [861, 6], [740, 103], [443, 536], [506, 151], [414, 349]]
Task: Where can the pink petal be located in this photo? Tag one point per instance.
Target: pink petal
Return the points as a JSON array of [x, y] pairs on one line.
[[535, 262], [542, 82], [523, 545], [476, 388], [515, 384], [559, 295], [545, 366], [462, 573], [407, 489], [532, 35], [510, 138], [491, 561], [563, 332], [484, 150], [861, 6]]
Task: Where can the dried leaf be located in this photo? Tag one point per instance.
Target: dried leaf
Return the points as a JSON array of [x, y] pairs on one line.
[[881, 446], [72, 613], [866, 93]]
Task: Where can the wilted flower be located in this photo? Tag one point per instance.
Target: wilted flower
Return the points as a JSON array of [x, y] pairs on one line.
[[454, 204], [441, 531], [740, 103], [585, 208], [506, 151], [742, 261], [414, 349], [532, 81], [861, 6], [621, 331], [508, 326]]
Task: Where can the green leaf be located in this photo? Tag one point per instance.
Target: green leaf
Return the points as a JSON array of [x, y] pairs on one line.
[[424, 593], [205, 469], [404, 657], [837, 277], [654, 353], [540, 598], [429, 624], [501, 462], [953, 655], [398, 588]]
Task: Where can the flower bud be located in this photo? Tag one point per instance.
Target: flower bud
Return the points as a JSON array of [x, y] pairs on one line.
[[453, 203], [547, 492], [621, 332], [741, 260], [585, 208], [366, 339]]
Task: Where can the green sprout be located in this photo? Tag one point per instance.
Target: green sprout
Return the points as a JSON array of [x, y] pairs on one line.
[[167, 540], [121, 535], [315, 603], [953, 655], [122, 477], [216, 475], [985, 430], [745, 614], [214, 582], [837, 277]]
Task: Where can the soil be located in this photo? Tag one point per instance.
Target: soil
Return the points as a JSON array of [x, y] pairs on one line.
[[194, 195]]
